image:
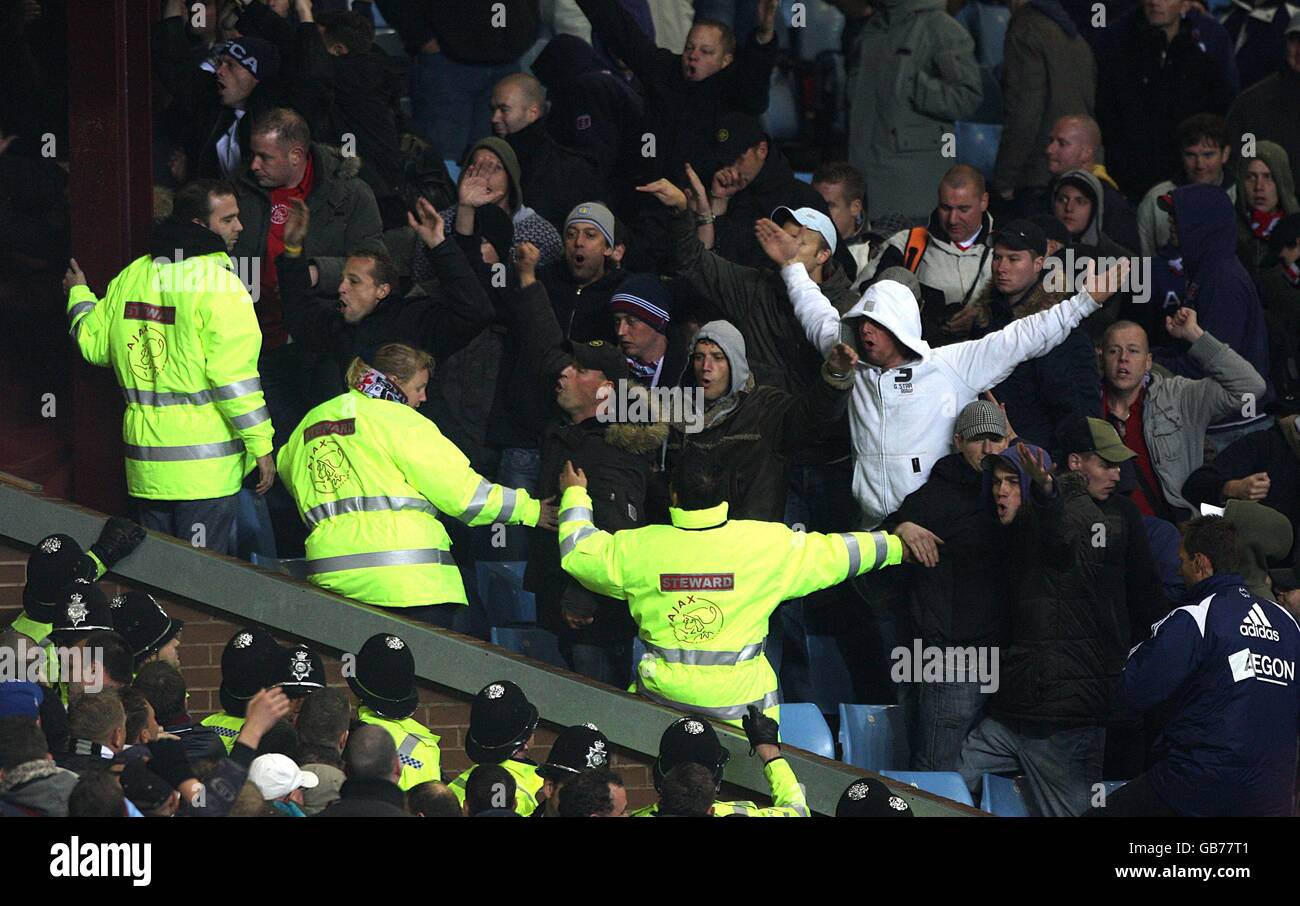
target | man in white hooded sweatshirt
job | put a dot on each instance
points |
(906, 396)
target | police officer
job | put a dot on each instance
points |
(692, 740)
(247, 667)
(299, 672)
(384, 680)
(370, 476)
(179, 331)
(576, 750)
(83, 609)
(501, 725)
(148, 630)
(702, 589)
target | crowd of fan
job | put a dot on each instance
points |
(626, 193)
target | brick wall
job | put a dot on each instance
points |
(207, 630)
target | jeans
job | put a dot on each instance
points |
(449, 101)
(946, 712)
(1217, 441)
(253, 532)
(442, 615)
(211, 521)
(610, 663)
(284, 386)
(1060, 766)
(518, 469)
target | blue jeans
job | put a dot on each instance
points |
(449, 101)
(211, 520)
(1217, 441)
(610, 663)
(518, 469)
(946, 712)
(253, 531)
(1060, 766)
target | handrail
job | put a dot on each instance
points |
(441, 656)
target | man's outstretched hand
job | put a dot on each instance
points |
(667, 194)
(779, 245)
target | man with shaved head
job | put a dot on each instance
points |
(1075, 144)
(951, 256)
(372, 766)
(558, 179)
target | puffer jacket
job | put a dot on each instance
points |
(902, 418)
(1055, 669)
(916, 75)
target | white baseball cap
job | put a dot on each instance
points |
(812, 218)
(278, 776)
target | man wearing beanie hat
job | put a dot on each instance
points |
(692, 740)
(958, 589)
(147, 628)
(501, 725)
(1044, 392)
(384, 680)
(223, 97)
(642, 309)
(575, 751)
(581, 285)
(247, 666)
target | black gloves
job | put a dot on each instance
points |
(169, 761)
(117, 539)
(760, 729)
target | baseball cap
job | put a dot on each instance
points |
(1052, 228)
(1022, 236)
(278, 775)
(1094, 435)
(601, 356)
(734, 134)
(596, 214)
(981, 417)
(809, 217)
(20, 699)
(871, 799)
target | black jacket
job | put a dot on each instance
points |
(616, 459)
(194, 90)
(555, 178)
(441, 323)
(1147, 86)
(200, 742)
(1055, 669)
(466, 30)
(963, 600)
(774, 186)
(582, 311)
(360, 798)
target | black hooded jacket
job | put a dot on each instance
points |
(773, 187)
(557, 179)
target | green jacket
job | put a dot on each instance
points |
(370, 477)
(527, 785)
(227, 727)
(788, 800)
(417, 747)
(183, 342)
(701, 591)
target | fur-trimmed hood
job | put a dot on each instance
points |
(1037, 300)
(39, 785)
(639, 438)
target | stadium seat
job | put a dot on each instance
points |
(802, 725)
(821, 31)
(782, 116)
(537, 644)
(977, 145)
(828, 674)
(872, 737)
(1004, 796)
(947, 784)
(501, 591)
(987, 24)
(453, 170)
(295, 567)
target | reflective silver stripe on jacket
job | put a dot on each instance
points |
(178, 454)
(379, 558)
(477, 502)
(577, 512)
(201, 398)
(321, 512)
(405, 752)
(509, 497)
(80, 308)
(697, 658)
(569, 543)
(249, 419)
(732, 712)
(855, 553)
(882, 548)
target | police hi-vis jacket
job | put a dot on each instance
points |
(902, 418)
(370, 477)
(182, 338)
(701, 590)
(788, 799)
(1226, 667)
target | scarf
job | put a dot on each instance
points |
(1262, 222)
(640, 370)
(378, 387)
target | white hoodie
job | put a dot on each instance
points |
(903, 418)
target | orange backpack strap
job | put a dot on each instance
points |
(917, 240)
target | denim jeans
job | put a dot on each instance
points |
(212, 520)
(610, 663)
(518, 469)
(449, 101)
(1217, 441)
(253, 531)
(1060, 766)
(946, 712)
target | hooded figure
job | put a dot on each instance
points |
(1255, 228)
(1092, 238)
(1218, 286)
(749, 432)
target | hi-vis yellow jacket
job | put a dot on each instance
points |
(701, 591)
(183, 341)
(370, 477)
